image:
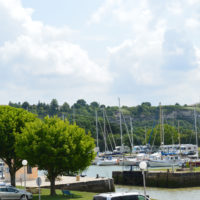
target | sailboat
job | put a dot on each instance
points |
(163, 159)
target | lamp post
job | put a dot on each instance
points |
(143, 166)
(24, 163)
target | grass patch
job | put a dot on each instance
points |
(196, 169)
(45, 195)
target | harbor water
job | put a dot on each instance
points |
(155, 193)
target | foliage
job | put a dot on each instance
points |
(170, 135)
(12, 120)
(55, 146)
(143, 117)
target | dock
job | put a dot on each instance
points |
(158, 178)
(87, 184)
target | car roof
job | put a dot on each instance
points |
(116, 194)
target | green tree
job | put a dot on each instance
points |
(170, 135)
(12, 120)
(25, 105)
(53, 107)
(56, 146)
(65, 107)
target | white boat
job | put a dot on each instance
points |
(106, 161)
(127, 162)
(164, 161)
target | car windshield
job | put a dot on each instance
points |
(99, 198)
(131, 197)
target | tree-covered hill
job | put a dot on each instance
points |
(142, 118)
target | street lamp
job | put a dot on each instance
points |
(24, 163)
(143, 166)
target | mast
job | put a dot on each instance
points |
(161, 139)
(145, 136)
(179, 136)
(97, 134)
(132, 139)
(195, 125)
(163, 131)
(104, 129)
(120, 123)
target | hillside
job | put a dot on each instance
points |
(141, 118)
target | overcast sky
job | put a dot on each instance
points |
(99, 50)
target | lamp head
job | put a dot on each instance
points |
(24, 162)
(143, 165)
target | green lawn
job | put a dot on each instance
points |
(45, 195)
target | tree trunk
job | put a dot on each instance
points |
(12, 176)
(52, 180)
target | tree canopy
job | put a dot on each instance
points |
(56, 146)
(143, 117)
(170, 135)
(12, 120)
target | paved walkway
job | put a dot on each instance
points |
(64, 180)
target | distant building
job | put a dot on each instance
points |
(31, 173)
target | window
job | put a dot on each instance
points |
(3, 189)
(99, 198)
(29, 169)
(141, 197)
(11, 189)
(131, 197)
(7, 169)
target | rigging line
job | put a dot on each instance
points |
(105, 131)
(105, 144)
(172, 132)
(131, 125)
(97, 136)
(163, 128)
(154, 138)
(104, 127)
(113, 118)
(110, 141)
(110, 129)
(127, 129)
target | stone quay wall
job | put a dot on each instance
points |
(97, 186)
(158, 179)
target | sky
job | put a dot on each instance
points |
(100, 50)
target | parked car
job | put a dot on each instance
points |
(10, 192)
(120, 196)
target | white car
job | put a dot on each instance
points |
(120, 196)
(10, 192)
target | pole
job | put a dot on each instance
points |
(120, 124)
(39, 193)
(161, 140)
(132, 139)
(195, 125)
(179, 136)
(25, 177)
(97, 129)
(104, 129)
(144, 183)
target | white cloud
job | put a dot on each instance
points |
(42, 59)
(151, 50)
(192, 23)
(103, 10)
(175, 7)
(158, 55)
